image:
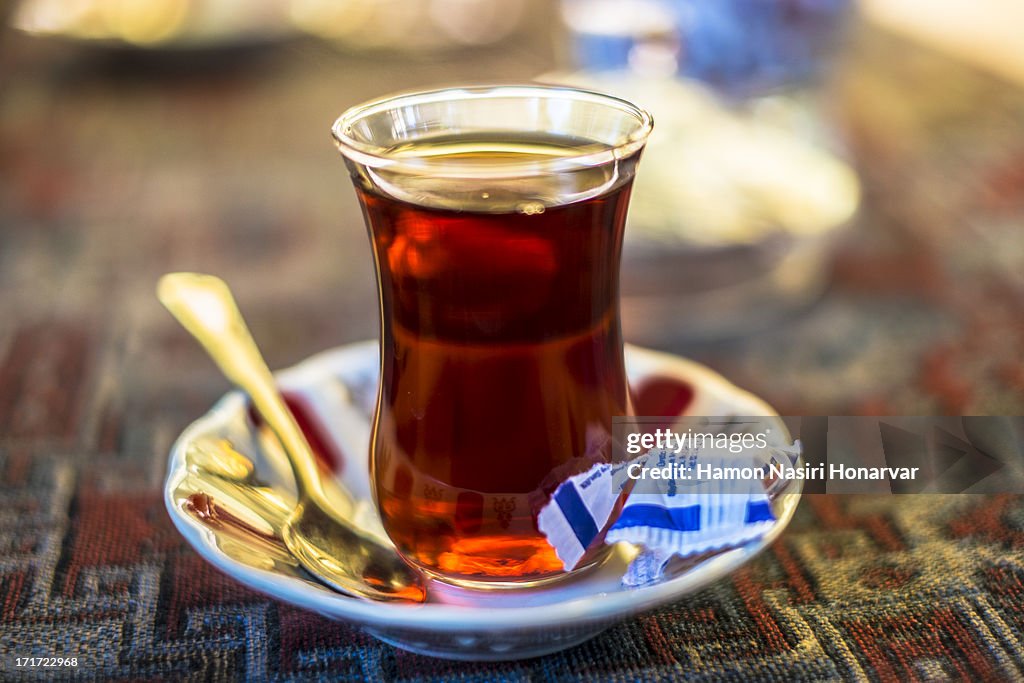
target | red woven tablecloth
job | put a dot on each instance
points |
(113, 174)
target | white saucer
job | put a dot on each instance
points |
(336, 390)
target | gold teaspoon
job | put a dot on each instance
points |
(320, 531)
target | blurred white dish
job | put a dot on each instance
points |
(734, 213)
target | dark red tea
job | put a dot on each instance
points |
(502, 364)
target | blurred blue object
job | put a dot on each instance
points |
(736, 46)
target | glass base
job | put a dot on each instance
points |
(503, 584)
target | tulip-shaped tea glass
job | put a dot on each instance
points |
(496, 218)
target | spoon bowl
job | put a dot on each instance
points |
(321, 531)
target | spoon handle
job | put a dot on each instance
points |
(203, 304)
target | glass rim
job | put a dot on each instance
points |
(376, 156)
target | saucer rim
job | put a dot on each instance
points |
(577, 612)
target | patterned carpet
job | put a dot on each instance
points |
(112, 176)
(898, 588)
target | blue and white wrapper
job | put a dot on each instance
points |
(683, 516)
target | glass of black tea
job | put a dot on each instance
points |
(496, 217)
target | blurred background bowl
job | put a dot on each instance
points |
(743, 193)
